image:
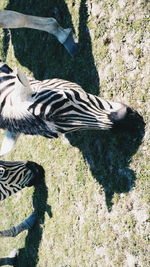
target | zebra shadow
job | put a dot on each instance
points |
(108, 155)
(28, 256)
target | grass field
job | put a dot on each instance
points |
(93, 205)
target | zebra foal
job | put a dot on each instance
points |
(12, 19)
(14, 176)
(52, 107)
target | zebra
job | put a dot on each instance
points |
(52, 107)
(12, 19)
(14, 176)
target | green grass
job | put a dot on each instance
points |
(92, 207)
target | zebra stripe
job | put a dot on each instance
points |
(56, 106)
(14, 176)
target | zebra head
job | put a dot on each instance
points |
(16, 175)
(54, 106)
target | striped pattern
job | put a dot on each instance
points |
(68, 108)
(55, 106)
(14, 176)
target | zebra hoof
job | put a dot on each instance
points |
(13, 253)
(70, 45)
(13, 257)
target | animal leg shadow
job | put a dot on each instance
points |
(108, 157)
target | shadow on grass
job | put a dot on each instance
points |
(28, 256)
(108, 155)
(43, 55)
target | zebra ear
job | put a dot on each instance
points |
(22, 86)
(22, 78)
(8, 143)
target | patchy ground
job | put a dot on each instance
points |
(93, 205)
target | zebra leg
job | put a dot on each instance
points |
(8, 143)
(11, 260)
(50, 25)
(27, 224)
(12, 19)
(70, 44)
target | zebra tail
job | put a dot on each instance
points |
(27, 224)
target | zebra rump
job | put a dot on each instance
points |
(54, 106)
(16, 175)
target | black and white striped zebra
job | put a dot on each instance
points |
(52, 107)
(14, 176)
